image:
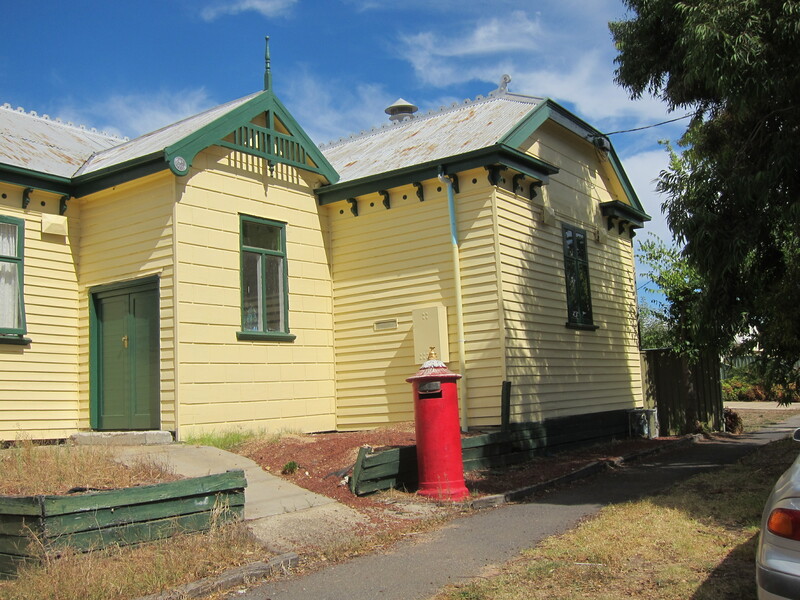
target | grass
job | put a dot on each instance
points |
(695, 541)
(131, 572)
(756, 418)
(29, 469)
(233, 439)
(117, 572)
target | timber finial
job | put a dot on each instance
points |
(267, 67)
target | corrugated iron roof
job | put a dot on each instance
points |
(450, 131)
(38, 143)
(50, 146)
(158, 140)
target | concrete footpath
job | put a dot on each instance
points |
(474, 545)
(281, 515)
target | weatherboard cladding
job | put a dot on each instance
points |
(37, 143)
(461, 128)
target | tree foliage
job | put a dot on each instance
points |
(733, 192)
(673, 322)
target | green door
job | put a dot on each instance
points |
(125, 356)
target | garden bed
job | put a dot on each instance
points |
(32, 527)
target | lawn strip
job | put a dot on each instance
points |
(696, 540)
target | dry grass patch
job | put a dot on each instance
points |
(131, 572)
(695, 541)
(757, 418)
(29, 470)
(116, 572)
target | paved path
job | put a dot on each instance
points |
(472, 545)
(282, 515)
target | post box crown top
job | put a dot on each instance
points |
(433, 369)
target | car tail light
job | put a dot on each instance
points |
(785, 523)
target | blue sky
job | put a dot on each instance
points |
(131, 67)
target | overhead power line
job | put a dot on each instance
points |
(650, 126)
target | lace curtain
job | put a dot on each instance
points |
(9, 278)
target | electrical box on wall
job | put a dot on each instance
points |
(430, 329)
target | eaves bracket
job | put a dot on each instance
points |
(386, 201)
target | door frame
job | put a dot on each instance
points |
(150, 282)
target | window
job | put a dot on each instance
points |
(264, 280)
(576, 274)
(12, 308)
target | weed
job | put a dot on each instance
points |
(224, 440)
(290, 468)
(30, 469)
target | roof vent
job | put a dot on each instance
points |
(401, 109)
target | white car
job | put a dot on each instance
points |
(778, 554)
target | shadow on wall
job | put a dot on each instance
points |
(556, 370)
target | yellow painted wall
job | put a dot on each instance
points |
(127, 234)
(558, 371)
(386, 263)
(39, 383)
(224, 383)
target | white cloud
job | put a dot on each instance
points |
(643, 169)
(513, 34)
(573, 63)
(134, 114)
(267, 8)
(328, 111)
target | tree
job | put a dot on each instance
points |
(733, 192)
(673, 322)
(653, 330)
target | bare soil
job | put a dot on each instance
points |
(324, 459)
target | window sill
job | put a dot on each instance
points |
(14, 340)
(582, 326)
(265, 336)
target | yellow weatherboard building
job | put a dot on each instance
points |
(225, 272)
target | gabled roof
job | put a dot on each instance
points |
(458, 129)
(50, 155)
(32, 144)
(482, 132)
(155, 142)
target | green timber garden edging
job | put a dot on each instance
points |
(30, 525)
(397, 467)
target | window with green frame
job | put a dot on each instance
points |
(265, 311)
(576, 274)
(12, 306)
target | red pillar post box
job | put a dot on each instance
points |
(440, 465)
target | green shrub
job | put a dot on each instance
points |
(746, 388)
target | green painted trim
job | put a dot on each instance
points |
(620, 210)
(493, 155)
(549, 109)
(581, 326)
(83, 185)
(144, 284)
(616, 165)
(271, 336)
(39, 181)
(94, 362)
(517, 135)
(18, 259)
(246, 334)
(16, 340)
(179, 156)
(578, 262)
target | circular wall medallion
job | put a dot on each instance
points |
(179, 163)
